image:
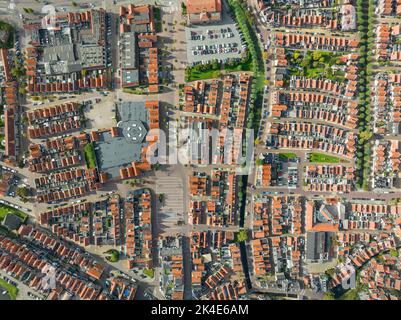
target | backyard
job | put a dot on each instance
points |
(12, 291)
(90, 157)
(201, 72)
(287, 155)
(4, 210)
(316, 64)
(149, 272)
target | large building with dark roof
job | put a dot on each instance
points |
(318, 246)
(67, 53)
(120, 152)
(137, 47)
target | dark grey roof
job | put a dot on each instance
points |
(114, 153)
(140, 28)
(315, 245)
(128, 51)
(59, 53)
(130, 76)
(12, 222)
(61, 59)
(282, 71)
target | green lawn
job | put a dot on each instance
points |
(193, 75)
(149, 272)
(287, 155)
(315, 64)
(90, 157)
(244, 65)
(323, 158)
(2, 128)
(12, 291)
(4, 210)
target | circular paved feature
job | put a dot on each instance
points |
(133, 131)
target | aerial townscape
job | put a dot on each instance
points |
(200, 150)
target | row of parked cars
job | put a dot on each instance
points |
(215, 49)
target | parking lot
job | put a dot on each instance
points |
(219, 41)
(24, 292)
(100, 113)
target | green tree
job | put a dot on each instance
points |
(241, 236)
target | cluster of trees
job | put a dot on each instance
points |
(161, 197)
(113, 255)
(8, 43)
(316, 64)
(365, 19)
(18, 71)
(240, 194)
(314, 59)
(157, 16)
(191, 72)
(245, 22)
(214, 65)
(135, 182)
(241, 236)
(253, 61)
(90, 157)
(239, 65)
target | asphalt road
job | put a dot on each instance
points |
(4, 296)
